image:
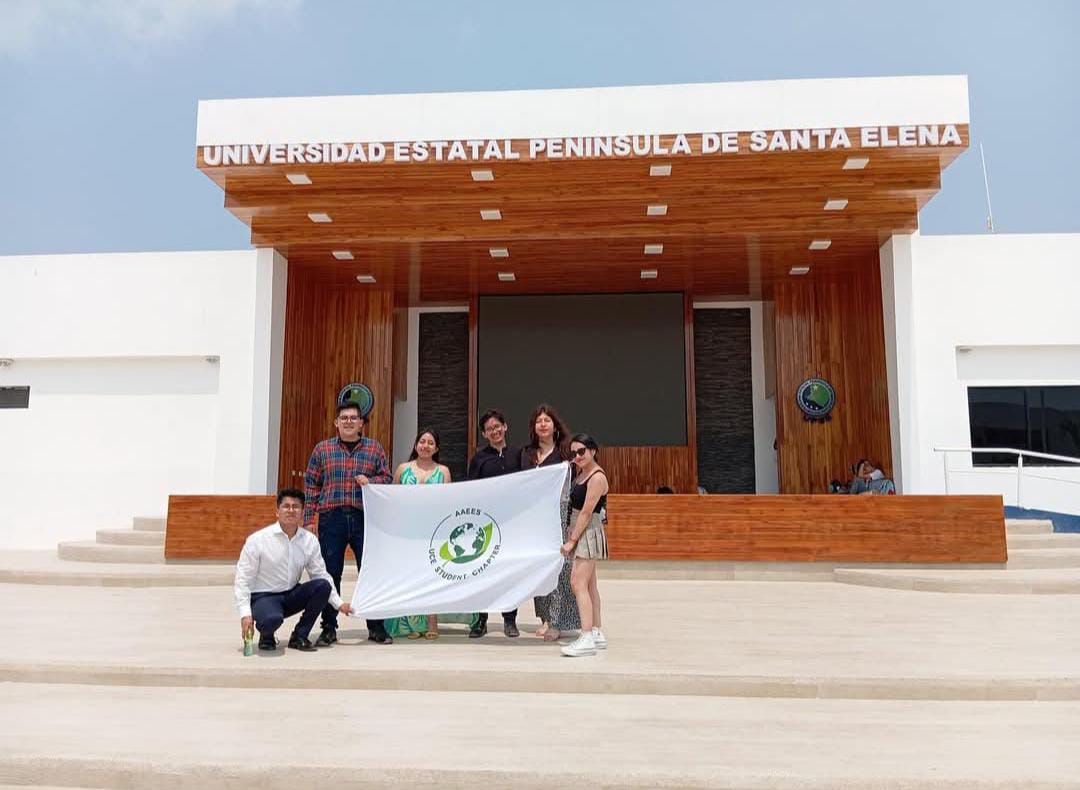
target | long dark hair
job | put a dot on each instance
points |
(562, 434)
(434, 435)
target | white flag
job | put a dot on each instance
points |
(477, 546)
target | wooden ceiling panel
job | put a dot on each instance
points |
(735, 223)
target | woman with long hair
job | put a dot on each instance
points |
(548, 435)
(422, 468)
(586, 542)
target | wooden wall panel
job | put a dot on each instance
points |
(821, 528)
(733, 527)
(833, 330)
(640, 470)
(333, 336)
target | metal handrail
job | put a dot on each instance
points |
(1019, 463)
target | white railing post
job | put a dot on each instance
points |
(1019, 477)
(945, 467)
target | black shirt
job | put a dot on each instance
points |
(525, 458)
(489, 462)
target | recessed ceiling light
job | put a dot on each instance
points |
(799, 270)
(298, 178)
(654, 249)
(483, 175)
(365, 278)
(856, 162)
(659, 170)
(656, 209)
(836, 204)
(490, 213)
(499, 252)
(820, 244)
(342, 255)
(648, 274)
(319, 216)
(507, 277)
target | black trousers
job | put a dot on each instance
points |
(270, 609)
(338, 528)
(508, 617)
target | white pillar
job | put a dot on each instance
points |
(271, 280)
(898, 307)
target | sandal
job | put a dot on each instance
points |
(541, 632)
(552, 635)
(431, 636)
(414, 635)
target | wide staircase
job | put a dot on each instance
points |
(122, 670)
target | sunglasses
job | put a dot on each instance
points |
(579, 452)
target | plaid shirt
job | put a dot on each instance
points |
(329, 481)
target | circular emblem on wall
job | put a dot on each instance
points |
(358, 394)
(464, 544)
(816, 398)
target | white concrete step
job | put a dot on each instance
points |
(91, 551)
(130, 537)
(1056, 540)
(1044, 558)
(1015, 581)
(666, 742)
(150, 524)
(1028, 526)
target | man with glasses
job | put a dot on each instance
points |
(334, 482)
(268, 587)
(492, 461)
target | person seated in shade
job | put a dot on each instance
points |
(268, 587)
(869, 479)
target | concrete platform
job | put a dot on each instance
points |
(92, 551)
(749, 639)
(1014, 581)
(285, 738)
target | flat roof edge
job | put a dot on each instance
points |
(584, 112)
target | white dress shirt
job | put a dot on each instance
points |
(271, 561)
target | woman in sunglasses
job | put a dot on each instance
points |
(587, 542)
(558, 609)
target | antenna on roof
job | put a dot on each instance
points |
(986, 183)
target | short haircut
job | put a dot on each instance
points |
(498, 415)
(343, 406)
(289, 493)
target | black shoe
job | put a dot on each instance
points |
(380, 637)
(326, 638)
(510, 629)
(267, 643)
(478, 630)
(303, 644)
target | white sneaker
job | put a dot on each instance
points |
(599, 639)
(582, 646)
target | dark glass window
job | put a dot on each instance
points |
(1040, 419)
(14, 397)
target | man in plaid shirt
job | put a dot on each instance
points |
(333, 487)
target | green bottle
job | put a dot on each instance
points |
(249, 642)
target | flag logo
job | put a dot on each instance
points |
(464, 544)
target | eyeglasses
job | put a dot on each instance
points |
(579, 452)
(348, 419)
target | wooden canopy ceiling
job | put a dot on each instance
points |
(734, 223)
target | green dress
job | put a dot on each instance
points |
(417, 623)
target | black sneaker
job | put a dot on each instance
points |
(303, 644)
(510, 629)
(478, 630)
(267, 643)
(326, 638)
(380, 637)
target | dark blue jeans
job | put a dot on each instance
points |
(338, 528)
(270, 609)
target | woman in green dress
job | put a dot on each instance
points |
(422, 468)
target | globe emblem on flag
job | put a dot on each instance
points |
(464, 543)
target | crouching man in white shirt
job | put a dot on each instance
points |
(268, 587)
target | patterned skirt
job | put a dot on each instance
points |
(559, 607)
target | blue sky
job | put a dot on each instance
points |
(81, 82)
